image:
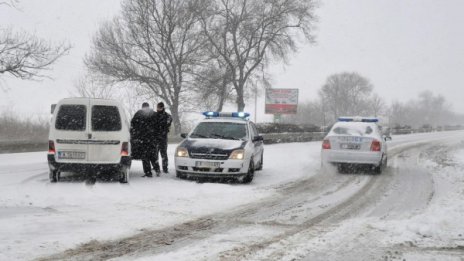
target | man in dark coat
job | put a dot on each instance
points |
(163, 123)
(143, 137)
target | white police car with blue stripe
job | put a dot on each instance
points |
(355, 141)
(223, 145)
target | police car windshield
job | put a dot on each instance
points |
(220, 130)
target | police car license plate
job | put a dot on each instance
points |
(350, 146)
(71, 155)
(207, 164)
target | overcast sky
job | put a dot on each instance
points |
(403, 47)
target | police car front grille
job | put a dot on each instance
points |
(207, 169)
(209, 156)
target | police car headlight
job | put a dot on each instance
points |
(182, 152)
(237, 155)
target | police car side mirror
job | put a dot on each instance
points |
(52, 108)
(387, 137)
(258, 138)
(183, 135)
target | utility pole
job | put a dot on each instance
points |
(256, 105)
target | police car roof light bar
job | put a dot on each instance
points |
(358, 119)
(211, 114)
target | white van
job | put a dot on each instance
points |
(89, 135)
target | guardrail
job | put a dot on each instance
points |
(22, 146)
(269, 138)
(272, 138)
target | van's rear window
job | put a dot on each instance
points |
(71, 117)
(105, 118)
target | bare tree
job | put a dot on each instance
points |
(214, 86)
(89, 86)
(10, 3)
(246, 34)
(27, 57)
(346, 94)
(377, 105)
(155, 44)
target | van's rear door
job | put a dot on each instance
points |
(71, 131)
(106, 129)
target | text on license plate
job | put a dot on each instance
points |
(71, 155)
(207, 164)
(350, 146)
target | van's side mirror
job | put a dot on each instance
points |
(258, 138)
(387, 137)
(183, 135)
(52, 108)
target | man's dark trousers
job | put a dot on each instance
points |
(161, 148)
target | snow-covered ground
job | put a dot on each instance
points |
(38, 218)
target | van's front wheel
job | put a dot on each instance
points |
(54, 176)
(124, 175)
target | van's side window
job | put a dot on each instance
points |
(71, 117)
(106, 118)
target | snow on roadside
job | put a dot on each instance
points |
(440, 225)
(38, 218)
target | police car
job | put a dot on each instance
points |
(355, 140)
(223, 145)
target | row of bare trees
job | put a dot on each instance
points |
(349, 94)
(16, 128)
(189, 53)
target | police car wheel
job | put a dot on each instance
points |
(251, 171)
(124, 175)
(261, 163)
(378, 169)
(54, 176)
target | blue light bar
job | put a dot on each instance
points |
(358, 119)
(345, 119)
(240, 114)
(211, 114)
(370, 120)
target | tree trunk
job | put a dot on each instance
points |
(222, 94)
(240, 97)
(176, 119)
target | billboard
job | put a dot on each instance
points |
(281, 101)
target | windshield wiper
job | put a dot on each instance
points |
(198, 136)
(224, 137)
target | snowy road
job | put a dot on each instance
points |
(292, 210)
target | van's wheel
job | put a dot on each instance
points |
(54, 176)
(341, 168)
(124, 175)
(250, 174)
(179, 175)
(261, 163)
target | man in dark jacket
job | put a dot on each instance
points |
(143, 137)
(163, 122)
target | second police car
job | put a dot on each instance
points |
(355, 141)
(223, 145)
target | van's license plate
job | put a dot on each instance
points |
(71, 155)
(207, 164)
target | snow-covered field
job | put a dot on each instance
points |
(38, 218)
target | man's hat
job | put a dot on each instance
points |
(145, 104)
